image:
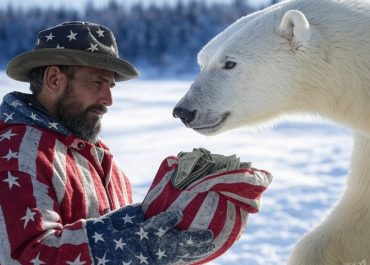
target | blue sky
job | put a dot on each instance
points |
(80, 3)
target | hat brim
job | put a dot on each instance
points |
(20, 66)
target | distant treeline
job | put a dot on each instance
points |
(166, 38)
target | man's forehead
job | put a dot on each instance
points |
(96, 71)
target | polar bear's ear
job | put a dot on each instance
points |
(295, 27)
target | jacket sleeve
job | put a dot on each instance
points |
(31, 227)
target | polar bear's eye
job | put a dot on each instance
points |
(229, 64)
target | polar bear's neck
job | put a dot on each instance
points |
(358, 182)
(343, 99)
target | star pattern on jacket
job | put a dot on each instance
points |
(18, 108)
(12, 181)
(142, 234)
(37, 261)
(7, 135)
(53, 125)
(119, 244)
(98, 237)
(29, 216)
(128, 219)
(10, 155)
(142, 258)
(16, 103)
(161, 232)
(33, 116)
(9, 116)
(103, 260)
(77, 261)
(161, 254)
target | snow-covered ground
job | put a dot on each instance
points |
(308, 158)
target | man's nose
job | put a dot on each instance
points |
(106, 97)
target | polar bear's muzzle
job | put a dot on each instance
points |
(205, 123)
(211, 125)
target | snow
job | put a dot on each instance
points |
(308, 158)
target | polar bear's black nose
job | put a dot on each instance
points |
(185, 115)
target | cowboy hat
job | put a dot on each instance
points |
(73, 43)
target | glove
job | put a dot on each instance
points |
(122, 238)
(213, 192)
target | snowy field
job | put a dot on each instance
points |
(308, 158)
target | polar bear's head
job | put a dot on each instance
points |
(250, 73)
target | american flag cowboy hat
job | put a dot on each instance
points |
(73, 43)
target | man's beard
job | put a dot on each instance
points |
(77, 120)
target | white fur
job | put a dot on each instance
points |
(298, 56)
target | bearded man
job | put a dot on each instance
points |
(63, 199)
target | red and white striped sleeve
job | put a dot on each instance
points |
(48, 191)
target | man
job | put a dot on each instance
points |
(63, 200)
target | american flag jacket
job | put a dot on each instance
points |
(54, 187)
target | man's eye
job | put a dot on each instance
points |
(229, 65)
(99, 83)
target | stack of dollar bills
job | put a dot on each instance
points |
(200, 163)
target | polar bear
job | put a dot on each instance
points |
(297, 56)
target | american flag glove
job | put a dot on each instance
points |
(122, 237)
(220, 201)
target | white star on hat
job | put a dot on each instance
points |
(93, 47)
(49, 37)
(72, 35)
(100, 33)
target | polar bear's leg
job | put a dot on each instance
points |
(315, 248)
(342, 239)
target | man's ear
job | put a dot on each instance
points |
(295, 28)
(54, 80)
